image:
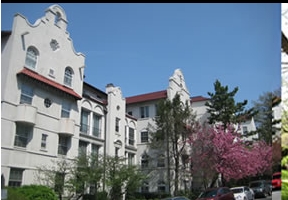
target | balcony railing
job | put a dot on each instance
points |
(96, 132)
(84, 128)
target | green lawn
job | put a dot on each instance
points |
(284, 189)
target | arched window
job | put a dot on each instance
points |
(31, 58)
(68, 76)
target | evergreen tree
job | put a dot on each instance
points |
(264, 118)
(174, 122)
(223, 108)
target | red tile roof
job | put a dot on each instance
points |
(147, 97)
(198, 98)
(49, 82)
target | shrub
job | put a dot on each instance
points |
(14, 194)
(31, 192)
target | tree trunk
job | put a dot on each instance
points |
(176, 180)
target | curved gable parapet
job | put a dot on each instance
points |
(178, 79)
(72, 47)
(36, 23)
(58, 9)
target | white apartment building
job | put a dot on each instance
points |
(49, 112)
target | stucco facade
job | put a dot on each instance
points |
(49, 112)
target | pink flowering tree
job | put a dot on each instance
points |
(218, 151)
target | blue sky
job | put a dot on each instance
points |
(137, 46)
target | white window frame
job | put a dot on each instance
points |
(65, 110)
(31, 58)
(15, 177)
(63, 145)
(84, 127)
(44, 141)
(22, 134)
(144, 135)
(68, 76)
(144, 111)
(26, 94)
(96, 129)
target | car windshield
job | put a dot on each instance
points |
(255, 184)
(209, 193)
(237, 190)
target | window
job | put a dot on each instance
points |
(94, 155)
(144, 111)
(63, 145)
(22, 134)
(84, 128)
(116, 151)
(95, 149)
(130, 113)
(65, 112)
(161, 161)
(145, 187)
(130, 159)
(44, 141)
(245, 130)
(82, 150)
(47, 102)
(68, 76)
(15, 177)
(156, 110)
(161, 187)
(144, 161)
(144, 136)
(117, 122)
(31, 58)
(26, 94)
(96, 125)
(131, 136)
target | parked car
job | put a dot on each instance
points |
(260, 188)
(176, 198)
(219, 193)
(270, 186)
(276, 181)
(242, 193)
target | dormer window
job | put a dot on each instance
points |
(68, 76)
(31, 58)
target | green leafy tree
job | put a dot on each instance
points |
(264, 118)
(121, 178)
(174, 122)
(223, 108)
(72, 176)
(87, 172)
(54, 175)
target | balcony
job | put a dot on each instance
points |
(26, 113)
(66, 126)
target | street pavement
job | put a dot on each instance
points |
(276, 195)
